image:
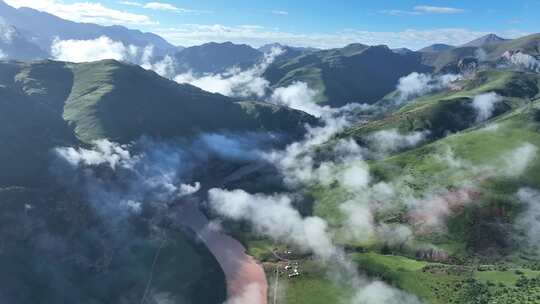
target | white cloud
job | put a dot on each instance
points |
(152, 174)
(300, 97)
(274, 216)
(187, 189)
(391, 140)
(104, 152)
(278, 12)
(418, 84)
(355, 176)
(160, 6)
(131, 3)
(7, 33)
(105, 48)
(484, 105)
(529, 219)
(92, 50)
(414, 84)
(235, 82)
(396, 12)
(84, 12)
(166, 67)
(438, 9)
(517, 161)
(423, 9)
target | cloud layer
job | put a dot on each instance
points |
(93, 50)
(235, 82)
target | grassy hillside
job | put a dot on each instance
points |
(48, 104)
(355, 73)
(451, 110)
(488, 258)
(122, 102)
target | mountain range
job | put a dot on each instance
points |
(421, 171)
(41, 29)
(54, 103)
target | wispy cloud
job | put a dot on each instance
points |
(395, 12)
(422, 10)
(438, 9)
(193, 34)
(130, 3)
(160, 6)
(163, 6)
(278, 12)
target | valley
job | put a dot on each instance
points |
(282, 169)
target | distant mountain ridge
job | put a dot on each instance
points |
(438, 47)
(42, 28)
(355, 73)
(486, 50)
(14, 45)
(485, 41)
(216, 57)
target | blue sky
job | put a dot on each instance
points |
(318, 23)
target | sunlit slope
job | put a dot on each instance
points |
(457, 134)
(451, 110)
(122, 102)
(488, 259)
(48, 104)
(481, 236)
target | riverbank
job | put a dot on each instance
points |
(245, 277)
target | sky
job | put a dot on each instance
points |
(314, 23)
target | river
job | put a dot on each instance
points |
(245, 277)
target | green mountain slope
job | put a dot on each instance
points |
(451, 110)
(48, 104)
(355, 73)
(121, 102)
(480, 256)
(56, 246)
